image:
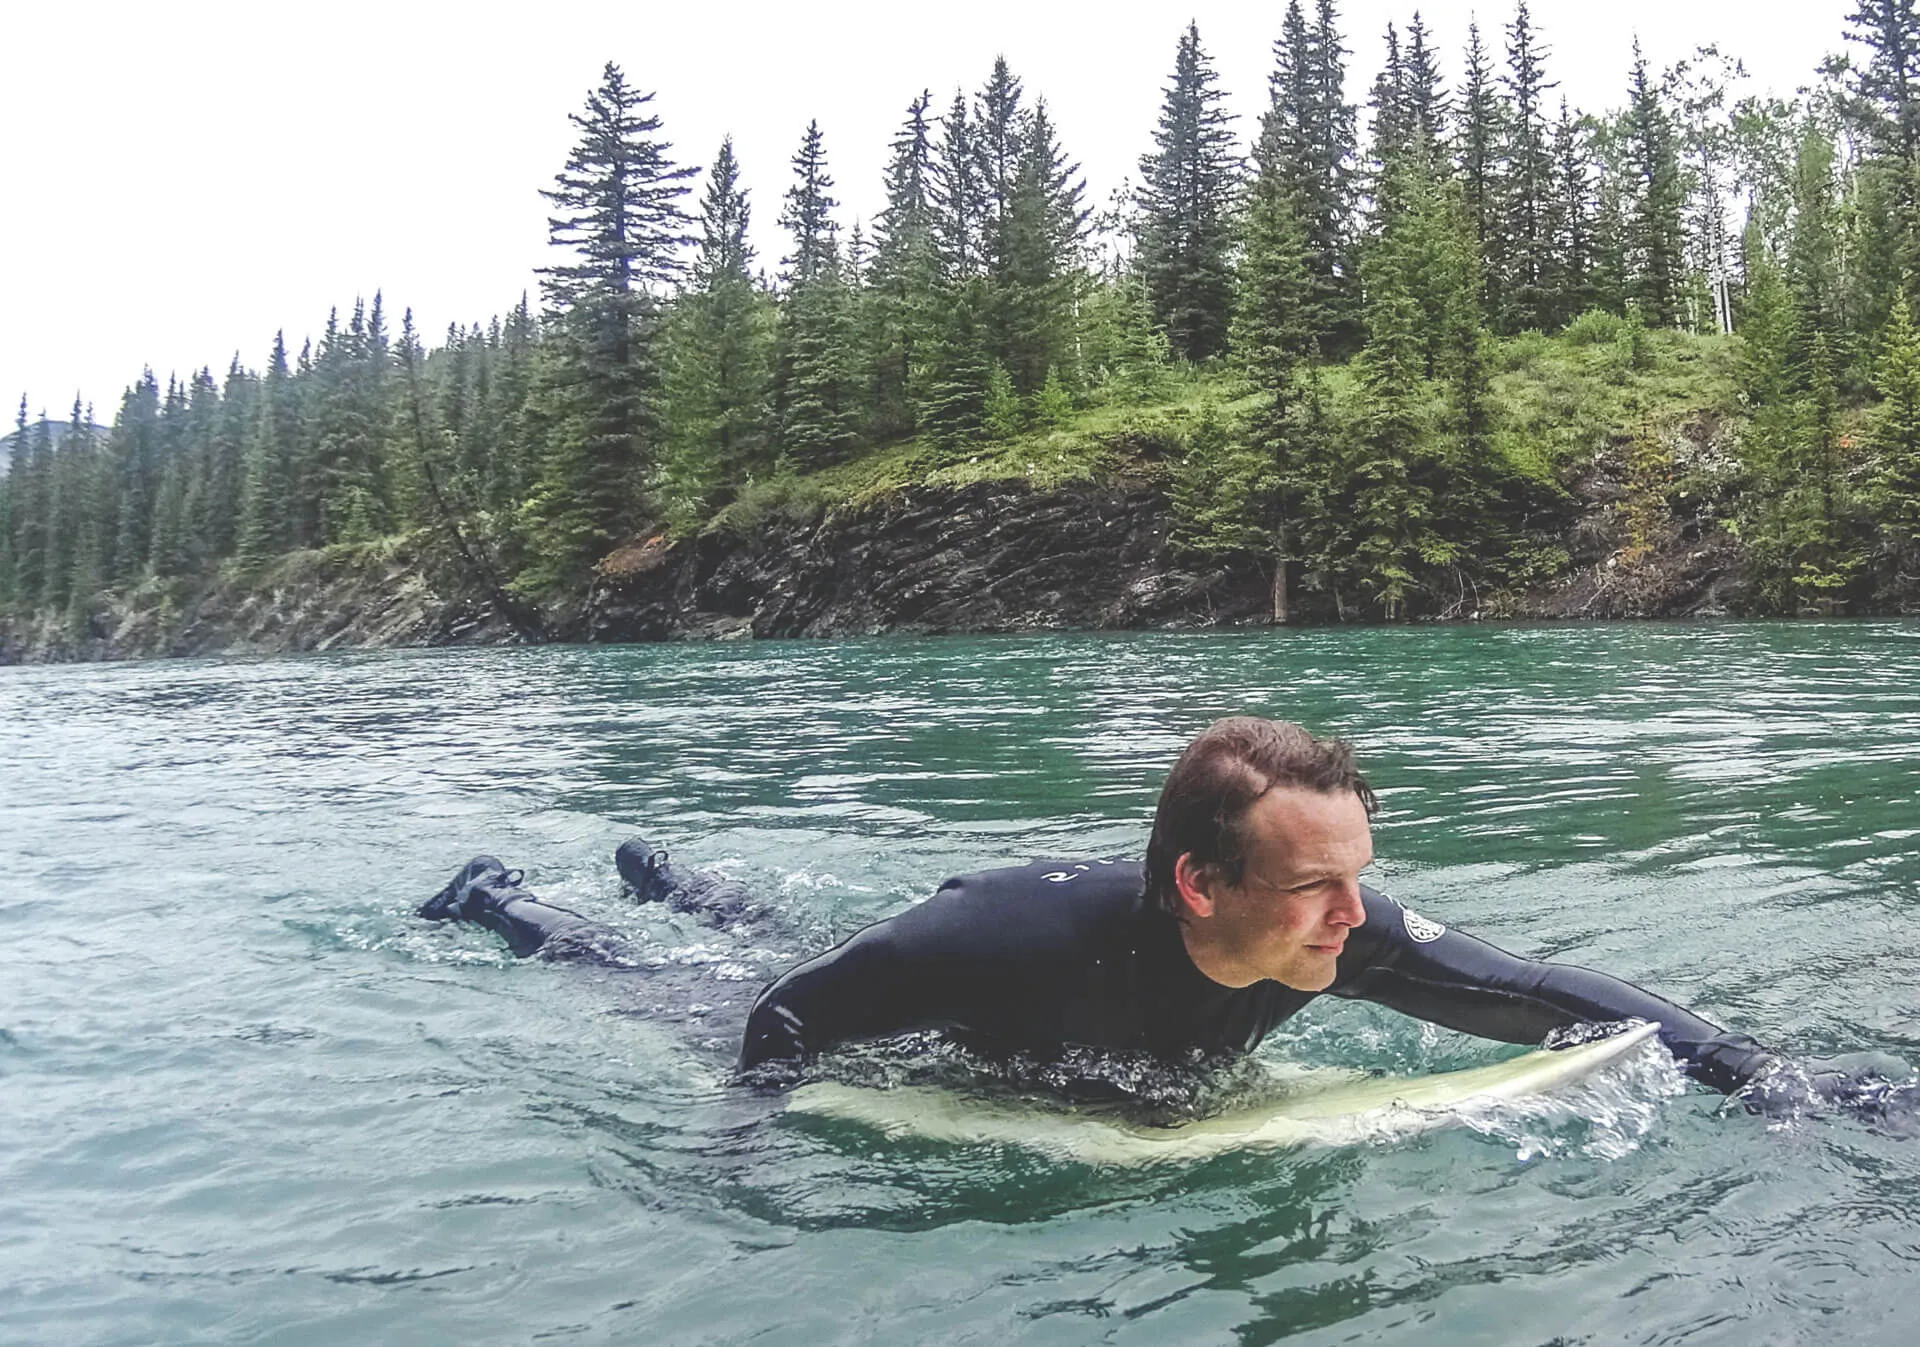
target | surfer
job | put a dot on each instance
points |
(1248, 906)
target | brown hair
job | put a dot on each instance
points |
(1233, 762)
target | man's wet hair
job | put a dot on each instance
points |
(1203, 807)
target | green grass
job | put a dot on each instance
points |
(1562, 400)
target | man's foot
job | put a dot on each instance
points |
(450, 904)
(643, 868)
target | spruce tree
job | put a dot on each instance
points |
(1658, 240)
(818, 389)
(226, 461)
(69, 495)
(510, 411)
(31, 479)
(954, 402)
(1887, 116)
(1039, 274)
(134, 459)
(1426, 100)
(1889, 79)
(618, 212)
(722, 353)
(905, 272)
(266, 515)
(1813, 261)
(1391, 506)
(999, 144)
(1479, 134)
(1573, 212)
(1308, 133)
(1896, 429)
(958, 199)
(1392, 117)
(80, 464)
(1528, 191)
(1272, 338)
(1186, 183)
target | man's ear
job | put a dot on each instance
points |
(1194, 884)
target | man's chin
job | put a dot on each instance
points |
(1312, 974)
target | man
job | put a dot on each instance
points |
(1251, 906)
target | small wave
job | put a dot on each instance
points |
(1605, 1116)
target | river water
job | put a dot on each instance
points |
(246, 1097)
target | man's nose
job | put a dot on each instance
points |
(1348, 910)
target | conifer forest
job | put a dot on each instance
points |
(1365, 345)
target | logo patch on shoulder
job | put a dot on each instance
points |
(1422, 929)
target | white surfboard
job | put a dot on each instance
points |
(1329, 1107)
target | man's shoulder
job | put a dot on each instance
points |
(1081, 882)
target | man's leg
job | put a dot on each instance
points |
(488, 894)
(651, 878)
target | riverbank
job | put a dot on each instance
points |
(991, 556)
(1621, 480)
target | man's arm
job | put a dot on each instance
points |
(862, 988)
(1420, 968)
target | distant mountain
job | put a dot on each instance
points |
(61, 429)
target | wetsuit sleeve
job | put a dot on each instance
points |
(976, 955)
(1420, 968)
(862, 988)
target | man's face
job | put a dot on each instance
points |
(1288, 917)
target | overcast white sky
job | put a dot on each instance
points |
(179, 180)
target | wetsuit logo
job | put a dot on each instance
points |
(1421, 928)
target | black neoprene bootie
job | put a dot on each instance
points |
(643, 868)
(453, 902)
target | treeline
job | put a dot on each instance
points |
(1349, 296)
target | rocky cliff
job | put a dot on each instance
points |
(996, 556)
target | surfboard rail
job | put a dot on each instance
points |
(1342, 1113)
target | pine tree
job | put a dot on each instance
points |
(510, 411)
(722, 353)
(218, 520)
(618, 208)
(133, 452)
(1392, 119)
(1658, 241)
(31, 483)
(905, 272)
(350, 416)
(1390, 506)
(1185, 185)
(1037, 278)
(1272, 339)
(1572, 286)
(1308, 134)
(999, 144)
(958, 199)
(954, 404)
(1896, 428)
(80, 462)
(1426, 100)
(817, 387)
(69, 490)
(1528, 192)
(1887, 109)
(1889, 80)
(1418, 498)
(266, 524)
(1479, 135)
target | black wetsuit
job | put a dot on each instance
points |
(1061, 952)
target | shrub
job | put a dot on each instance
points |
(1595, 327)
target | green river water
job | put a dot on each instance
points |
(246, 1097)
